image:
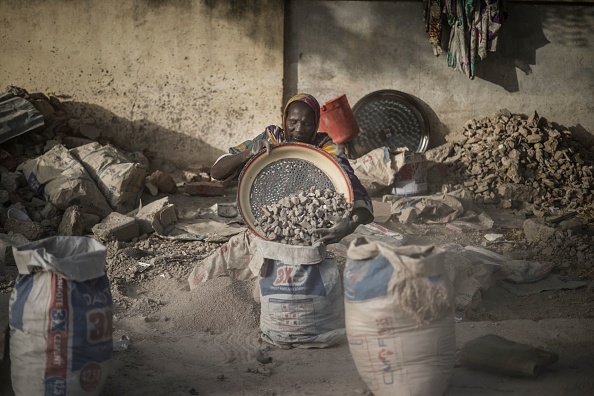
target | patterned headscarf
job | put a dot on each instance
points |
(308, 100)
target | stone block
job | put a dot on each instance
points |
(146, 215)
(72, 223)
(90, 131)
(118, 227)
(205, 189)
(574, 225)
(162, 181)
(30, 229)
(440, 153)
(44, 108)
(7, 241)
(49, 211)
(536, 230)
(164, 219)
(515, 192)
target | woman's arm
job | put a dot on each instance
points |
(345, 226)
(228, 165)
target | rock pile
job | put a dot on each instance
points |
(43, 218)
(511, 158)
(294, 218)
(26, 217)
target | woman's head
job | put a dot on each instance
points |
(301, 118)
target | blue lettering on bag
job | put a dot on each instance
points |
(35, 185)
(22, 290)
(367, 279)
(292, 279)
(55, 386)
(92, 308)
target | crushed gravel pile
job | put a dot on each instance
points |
(511, 158)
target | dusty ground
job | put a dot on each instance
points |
(175, 341)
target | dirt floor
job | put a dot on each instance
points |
(173, 341)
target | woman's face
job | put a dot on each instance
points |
(300, 123)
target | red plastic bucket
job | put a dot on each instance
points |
(338, 120)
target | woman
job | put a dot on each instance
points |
(301, 118)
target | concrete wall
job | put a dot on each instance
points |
(544, 61)
(185, 79)
(181, 78)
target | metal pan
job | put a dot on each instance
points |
(290, 168)
(389, 118)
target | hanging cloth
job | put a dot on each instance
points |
(458, 46)
(493, 14)
(432, 17)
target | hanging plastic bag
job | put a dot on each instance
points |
(61, 315)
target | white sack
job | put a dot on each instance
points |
(119, 179)
(60, 325)
(399, 318)
(59, 178)
(301, 304)
(374, 170)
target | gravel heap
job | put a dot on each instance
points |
(294, 219)
(511, 157)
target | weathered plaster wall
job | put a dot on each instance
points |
(181, 78)
(187, 78)
(544, 61)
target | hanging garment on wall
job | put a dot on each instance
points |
(432, 16)
(458, 46)
(494, 14)
(475, 26)
(473, 15)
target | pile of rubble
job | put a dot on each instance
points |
(27, 215)
(511, 159)
(539, 168)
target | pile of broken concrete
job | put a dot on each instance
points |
(539, 168)
(63, 178)
(512, 159)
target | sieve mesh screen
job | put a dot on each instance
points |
(283, 178)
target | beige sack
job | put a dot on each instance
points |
(399, 318)
(119, 179)
(62, 180)
(374, 170)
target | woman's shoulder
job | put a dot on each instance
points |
(275, 134)
(321, 139)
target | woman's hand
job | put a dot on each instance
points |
(260, 145)
(334, 234)
(344, 226)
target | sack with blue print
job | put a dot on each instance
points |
(300, 295)
(399, 318)
(61, 315)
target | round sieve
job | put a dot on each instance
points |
(288, 169)
(389, 118)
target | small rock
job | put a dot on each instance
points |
(494, 237)
(73, 223)
(31, 230)
(163, 181)
(536, 230)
